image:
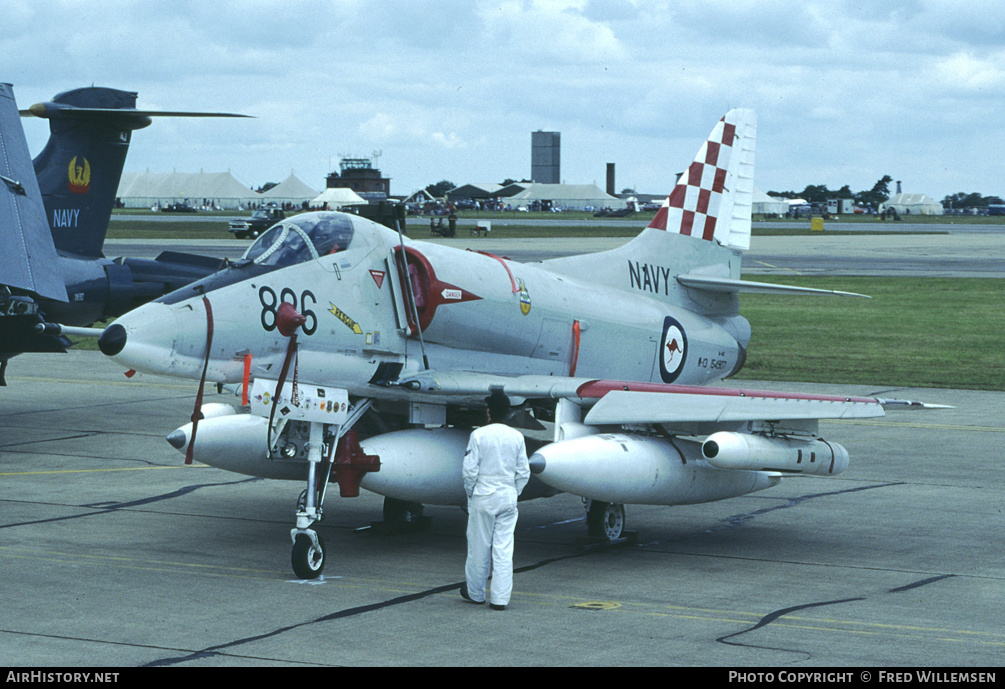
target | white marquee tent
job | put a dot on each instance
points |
(336, 197)
(917, 204)
(768, 205)
(146, 189)
(291, 190)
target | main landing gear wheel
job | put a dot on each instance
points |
(308, 558)
(605, 520)
(402, 513)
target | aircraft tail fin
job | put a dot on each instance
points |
(80, 167)
(712, 199)
(699, 233)
(28, 259)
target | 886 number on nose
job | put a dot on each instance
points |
(270, 303)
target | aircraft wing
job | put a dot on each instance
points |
(639, 404)
(625, 402)
(29, 255)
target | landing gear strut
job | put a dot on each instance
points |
(348, 468)
(308, 557)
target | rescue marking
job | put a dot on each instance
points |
(378, 277)
(341, 315)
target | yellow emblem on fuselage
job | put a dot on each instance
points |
(80, 176)
(524, 297)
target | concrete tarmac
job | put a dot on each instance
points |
(113, 553)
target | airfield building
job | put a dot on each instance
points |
(545, 157)
(359, 175)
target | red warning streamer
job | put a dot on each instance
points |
(197, 412)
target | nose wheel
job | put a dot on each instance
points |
(308, 557)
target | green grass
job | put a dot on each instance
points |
(418, 228)
(181, 229)
(915, 332)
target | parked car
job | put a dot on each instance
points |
(260, 220)
(178, 208)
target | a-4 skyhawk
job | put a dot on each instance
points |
(365, 358)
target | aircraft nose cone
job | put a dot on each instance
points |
(537, 463)
(113, 340)
(177, 439)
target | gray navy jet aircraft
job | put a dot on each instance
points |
(364, 358)
(54, 215)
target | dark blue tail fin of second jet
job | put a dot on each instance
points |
(78, 171)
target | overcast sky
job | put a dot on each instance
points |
(846, 91)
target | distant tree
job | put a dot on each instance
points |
(971, 200)
(879, 193)
(627, 190)
(816, 193)
(268, 185)
(441, 188)
(883, 186)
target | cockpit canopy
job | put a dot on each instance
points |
(301, 238)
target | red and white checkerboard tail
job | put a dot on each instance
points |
(712, 199)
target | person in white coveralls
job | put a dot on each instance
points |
(495, 473)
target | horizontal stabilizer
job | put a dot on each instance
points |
(52, 110)
(716, 284)
(26, 247)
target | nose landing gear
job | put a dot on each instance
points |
(347, 469)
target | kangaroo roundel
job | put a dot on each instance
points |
(673, 350)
